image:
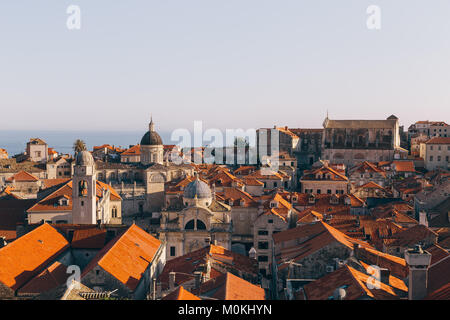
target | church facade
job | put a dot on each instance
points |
(202, 221)
(141, 184)
(354, 141)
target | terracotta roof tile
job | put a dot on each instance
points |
(352, 281)
(230, 287)
(439, 140)
(25, 257)
(52, 277)
(23, 176)
(181, 294)
(92, 238)
(127, 257)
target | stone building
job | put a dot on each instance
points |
(37, 150)
(126, 264)
(429, 129)
(436, 153)
(353, 141)
(82, 200)
(366, 172)
(309, 252)
(201, 221)
(309, 147)
(141, 184)
(324, 180)
(60, 167)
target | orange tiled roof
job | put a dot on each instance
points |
(369, 167)
(396, 265)
(354, 282)
(90, 238)
(127, 257)
(316, 236)
(50, 203)
(410, 236)
(230, 287)
(439, 140)
(371, 185)
(181, 294)
(133, 151)
(25, 257)
(23, 176)
(187, 264)
(334, 174)
(404, 166)
(50, 278)
(237, 195)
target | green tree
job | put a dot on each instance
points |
(79, 145)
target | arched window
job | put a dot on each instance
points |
(191, 224)
(82, 188)
(114, 212)
(200, 225)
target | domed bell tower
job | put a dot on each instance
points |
(152, 149)
(84, 207)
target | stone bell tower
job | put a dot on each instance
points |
(84, 207)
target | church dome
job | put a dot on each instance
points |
(151, 138)
(84, 158)
(197, 188)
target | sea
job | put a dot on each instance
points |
(15, 141)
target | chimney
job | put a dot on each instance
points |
(423, 218)
(384, 275)
(252, 253)
(197, 279)
(172, 280)
(418, 262)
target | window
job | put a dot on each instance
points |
(329, 269)
(263, 258)
(270, 221)
(431, 147)
(329, 191)
(114, 212)
(275, 184)
(172, 251)
(263, 245)
(318, 191)
(263, 232)
(438, 158)
(431, 158)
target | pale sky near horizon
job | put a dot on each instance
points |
(231, 63)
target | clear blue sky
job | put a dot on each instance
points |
(231, 63)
